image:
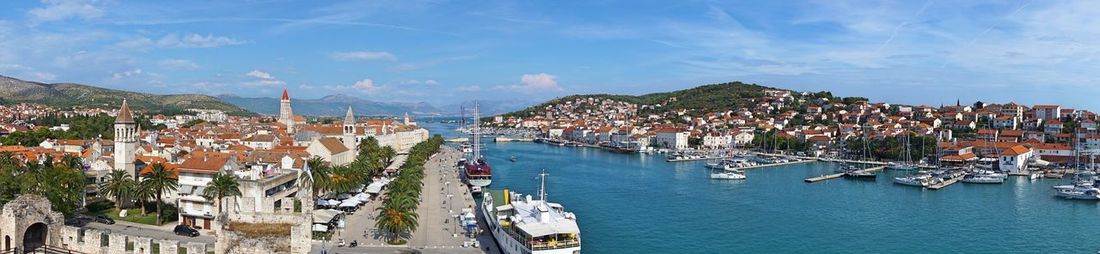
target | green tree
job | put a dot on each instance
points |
(223, 185)
(119, 185)
(160, 180)
(319, 176)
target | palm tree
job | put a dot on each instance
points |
(160, 180)
(118, 184)
(387, 155)
(141, 193)
(319, 176)
(223, 185)
(397, 219)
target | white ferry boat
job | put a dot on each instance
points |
(522, 225)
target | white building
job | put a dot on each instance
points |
(672, 139)
(1014, 159)
(194, 175)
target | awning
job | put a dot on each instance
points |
(375, 187)
(325, 215)
(349, 203)
(362, 197)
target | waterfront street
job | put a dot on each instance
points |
(443, 195)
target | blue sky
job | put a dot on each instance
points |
(921, 52)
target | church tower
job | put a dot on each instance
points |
(408, 120)
(286, 116)
(126, 138)
(349, 131)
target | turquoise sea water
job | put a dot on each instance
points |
(642, 204)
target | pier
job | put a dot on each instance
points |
(838, 175)
(507, 139)
(698, 159)
(775, 164)
(458, 140)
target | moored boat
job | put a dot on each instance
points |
(523, 225)
(727, 176)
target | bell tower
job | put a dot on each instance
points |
(125, 140)
(349, 131)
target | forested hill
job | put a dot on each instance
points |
(706, 98)
(67, 95)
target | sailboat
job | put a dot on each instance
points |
(908, 163)
(858, 171)
(1084, 185)
(477, 171)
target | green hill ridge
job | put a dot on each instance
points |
(67, 95)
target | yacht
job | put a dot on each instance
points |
(914, 180)
(523, 225)
(727, 176)
(983, 178)
(1078, 192)
(477, 172)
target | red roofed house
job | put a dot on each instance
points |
(194, 174)
(1014, 159)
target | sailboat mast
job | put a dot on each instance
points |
(542, 185)
(477, 133)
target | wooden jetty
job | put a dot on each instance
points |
(507, 139)
(838, 175)
(824, 177)
(776, 164)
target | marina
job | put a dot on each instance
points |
(601, 187)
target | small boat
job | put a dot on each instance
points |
(727, 176)
(1079, 192)
(1034, 176)
(859, 174)
(475, 189)
(513, 158)
(914, 180)
(983, 179)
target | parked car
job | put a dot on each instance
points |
(104, 219)
(186, 230)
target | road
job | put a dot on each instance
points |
(154, 232)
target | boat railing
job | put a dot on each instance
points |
(551, 245)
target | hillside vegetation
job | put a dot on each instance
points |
(67, 95)
(706, 98)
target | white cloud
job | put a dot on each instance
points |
(126, 74)
(259, 74)
(541, 81)
(431, 82)
(263, 79)
(363, 55)
(469, 88)
(178, 64)
(365, 86)
(55, 10)
(191, 40)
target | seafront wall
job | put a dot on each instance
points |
(86, 240)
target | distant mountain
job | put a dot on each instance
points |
(706, 98)
(332, 105)
(65, 95)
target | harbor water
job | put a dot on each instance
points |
(642, 204)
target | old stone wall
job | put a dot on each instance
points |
(93, 241)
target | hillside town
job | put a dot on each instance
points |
(265, 159)
(816, 124)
